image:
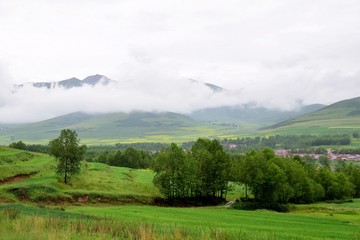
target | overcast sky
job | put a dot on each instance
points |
(278, 53)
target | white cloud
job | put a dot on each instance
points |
(35, 104)
(277, 53)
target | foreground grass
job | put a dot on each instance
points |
(257, 223)
(149, 222)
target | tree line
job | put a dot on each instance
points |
(274, 181)
(270, 181)
(286, 142)
(130, 157)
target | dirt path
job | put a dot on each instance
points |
(16, 178)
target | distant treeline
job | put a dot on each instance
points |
(300, 143)
(30, 147)
(130, 157)
(286, 142)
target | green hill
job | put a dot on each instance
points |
(112, 128)
(338, 118)
(248, 115)
(31, 177)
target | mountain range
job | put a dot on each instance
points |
(226, 121)
(92, 80)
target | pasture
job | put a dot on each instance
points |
(151, 222)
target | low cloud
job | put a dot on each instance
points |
(29, 104)
(275, 54)
(285, 90)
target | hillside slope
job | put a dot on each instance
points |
(338, 118)
(112, 128)
(250, 115)
(26, 176)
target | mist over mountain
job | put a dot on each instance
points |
(73, 82)
(98, 94)
(36, 101)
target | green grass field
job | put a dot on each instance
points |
(106, 202)
(150, 222)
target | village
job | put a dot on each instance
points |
(331, 155)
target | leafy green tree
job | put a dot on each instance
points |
(131, 158)
(213, 167)
(67, 150)
(346, 188)
(169, 167)
(354, 176)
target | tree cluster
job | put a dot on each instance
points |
(18, 145)
(30, 147)
(270, 181)
(130, 157)
(201, 172)
(274, 180)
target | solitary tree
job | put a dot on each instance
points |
(68, 152)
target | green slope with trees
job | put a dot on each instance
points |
(31, 177)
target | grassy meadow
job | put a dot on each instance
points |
(321, 221)
(105, 202)
(31, 177)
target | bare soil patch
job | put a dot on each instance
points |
(16, 178)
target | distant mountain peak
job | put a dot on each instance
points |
(95, 79)
(213, 87)
(73, 82)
